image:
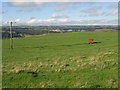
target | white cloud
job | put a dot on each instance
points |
(20, 4)
(65, 22)
(97, 14)
(63, 0)
(94, 11)
(2, 12)
(113, 5)
(115, 12)
(32, 21)
(30, 9)
(91, 9)
(17, 20)
(46, 21)
(59, 16)
(60, 8)
(24, 4)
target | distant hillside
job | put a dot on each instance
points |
(106, 30)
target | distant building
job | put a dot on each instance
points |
(56, 30)
(83, 30)
(69, 30)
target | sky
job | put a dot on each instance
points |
(60, 13)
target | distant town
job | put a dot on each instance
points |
(22, 31)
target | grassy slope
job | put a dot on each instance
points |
(62, 60)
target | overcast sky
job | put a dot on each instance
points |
(63, 13)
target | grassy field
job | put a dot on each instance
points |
(63, 60)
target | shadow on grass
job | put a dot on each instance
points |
(42, 47)
(82, 44)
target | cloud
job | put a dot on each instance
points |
(113, 13)
(60, 8)
(28, 9)
(94, 11)
(2, 12)
(113, 5)
(47, 21)
(65, 22)
(59, 16)
(97, 14)
(91, 9)
(64, 0)
(20, 4)
(32, 17)
(83, 15)
(24, 4)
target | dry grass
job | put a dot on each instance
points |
(59, 65)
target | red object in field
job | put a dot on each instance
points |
(91, 41)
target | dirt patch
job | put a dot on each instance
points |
(36, 35)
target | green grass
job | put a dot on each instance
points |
(63, 60)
